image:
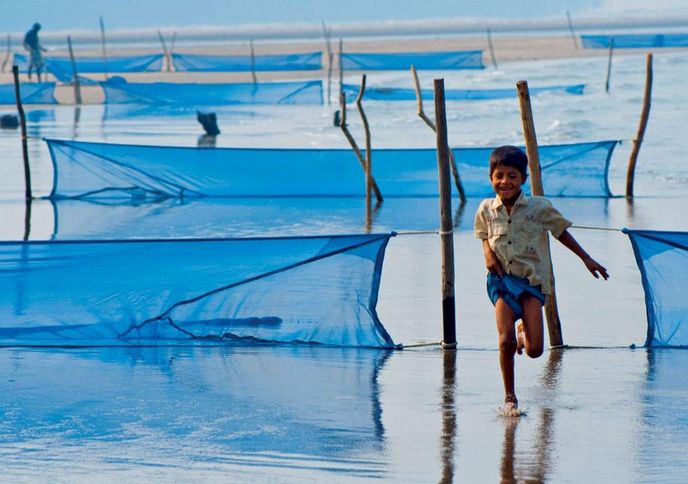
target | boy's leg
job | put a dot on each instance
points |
(507, 346)
(533, 327)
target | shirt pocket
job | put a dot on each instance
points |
(528, 239)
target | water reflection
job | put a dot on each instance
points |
(533, 465)
(254, 409)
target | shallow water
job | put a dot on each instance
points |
(295, 413)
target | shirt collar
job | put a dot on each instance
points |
(497, 202)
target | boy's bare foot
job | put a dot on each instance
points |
(510, 406)
(520, 338)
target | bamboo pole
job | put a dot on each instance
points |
(368, 150)
(8, 53)
(446, 223)
(341, 69)
(354, 145)
(102, 40)
(491, 47)
(165, 52)
(328, 49)
(253, 62)
(609, 65)
(449, 417)
(551, 311)
(642, 125)
(25, 148)
(428, 121)
(573, 33)
(75, 75)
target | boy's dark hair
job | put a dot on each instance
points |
(509, 156)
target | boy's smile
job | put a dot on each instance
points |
(506, 182)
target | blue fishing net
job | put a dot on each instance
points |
(662, 258)
(319, 289)
(408, 94)
(193, 94)
(245, 63)
(104, 170)
(462, 59)
(31, 93)
(634, 41)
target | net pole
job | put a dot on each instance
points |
(102, 41)
(551, 311)
(253, 62)
(165, 52)
(8, 53)
(642, 125)
(573, 33)
(341, 69)
(24, 139)
(446, 223)
(491, 47)
(609, 65)
(75, 74)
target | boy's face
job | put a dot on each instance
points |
(506, 182)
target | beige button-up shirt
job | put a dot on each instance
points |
(520, 240)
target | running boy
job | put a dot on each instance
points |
(513, 229)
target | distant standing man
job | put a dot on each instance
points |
(33, 45)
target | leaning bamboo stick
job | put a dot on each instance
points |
(491, 47)
(75, 78)
(573, 33)
(165, 52)
(102, 40)
(551, 311)
(354, 145)
(24, 137)
(8, 53)
(366, 130)
(644, 115)
(609, 65)
(253, 63)
(327, 34)
(428, 121)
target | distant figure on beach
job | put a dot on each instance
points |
(513, 229)
(33, 45)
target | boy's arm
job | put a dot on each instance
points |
(593, 266)
(491, 260)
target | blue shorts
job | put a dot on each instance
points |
(511, 289)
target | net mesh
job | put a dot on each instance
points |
(300, 289)
(103, 170)
(31, 93)
(462, 59)
(245, 63)
(662, 258)
(634, 41)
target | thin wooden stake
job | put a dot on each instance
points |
(644, 115)
(75, 75)
(22, 120)
(489, 44)
(102, 41)
(368, 150)
(354, 145)
(551, 311)
(428, 121)
(446, 223)
(9, 52)
(253, 62)
(341, 69)
(165, 52)
(609, 65)
(328, 49)
(573, 34)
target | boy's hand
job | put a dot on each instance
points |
(493, 264)
(594, 267)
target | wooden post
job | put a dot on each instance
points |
(644, 115)
(446, 223)
(551, 311)
(341, 69)
(368, 150)
(428, 121)
(102, 41)
(354, 145)
(489, 44)
(328, 50)
(573, 34)
(449, 414)
(22, 121)
(253, 62)
(8, 53)
(75, 77)
(609, 65)
(165, 52)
